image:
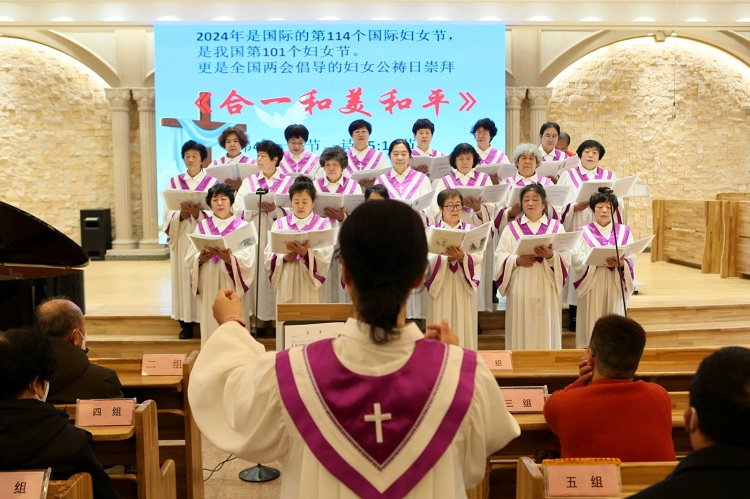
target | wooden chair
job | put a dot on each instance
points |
(635, 477)
(78, 486)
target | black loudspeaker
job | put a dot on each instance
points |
(96, 232)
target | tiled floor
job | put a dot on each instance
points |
(225, 483)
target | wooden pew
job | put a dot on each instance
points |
(635, 477)
(179, 436)
(137, 444)
(78, 486)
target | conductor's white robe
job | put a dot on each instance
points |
(452, 292)
(184, 304)
(598, 288)
(209, 277)
(533, 309)
(240, 397)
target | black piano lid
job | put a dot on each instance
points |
(26, 240)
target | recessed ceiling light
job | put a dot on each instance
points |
(6, 19)
(62, 19)
(695, 20)
(644, 20)
(539, 19)
(743, 20)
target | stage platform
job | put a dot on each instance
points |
(128, 308)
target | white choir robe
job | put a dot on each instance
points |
(533, 312)
(209, 277)
(334, 291)
(572, 220)
(430, 153)
(452, 292)
(476, 218)
(240, 397)
(411, 184)
(598, 288)
(278, 183)
(306, 163)
(491, 156)
(184, 304)
(226, 160)
(366, 159)
(302, 280)
(554, 155)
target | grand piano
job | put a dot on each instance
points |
(36, 262)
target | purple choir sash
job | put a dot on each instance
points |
(280, 185)
(558, 155)
(401, 190)
(224, 160)
(347, 185)
(594, 238)
(494, 156)
(517, 229)
(418, 153)
(352, 404)
(204, 184)
(306, 164)
(207, 226)
(580, 175)
(369, 162)
(286, 224)
(523, 181)
(453, 267)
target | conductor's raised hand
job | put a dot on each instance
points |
(441, 332)
(226, 304)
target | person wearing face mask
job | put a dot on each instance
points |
(75, 377)
(33, 434)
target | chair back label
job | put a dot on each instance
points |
(105, 412)
(162, 364)
(25, 484)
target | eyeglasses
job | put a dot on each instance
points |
(453, 207)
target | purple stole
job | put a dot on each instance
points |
(594, 239)
(451, 181)
(347, 185)
(204, 184)
(580, 175)
(402, 190)
(558, 155)
(418, 153)
(376, 415)
(280, 185)
(306, 164)
(225, 160)
(285, 223)
(207, 226)
(518, 229)
(494, 156)
(453, 267)
(534, 179)
(369, 162)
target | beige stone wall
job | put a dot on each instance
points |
(56, 146)
(622, 96)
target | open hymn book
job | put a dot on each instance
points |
(597, 257)
(236, 240)
(561, 241)
(437, 167)
(470, 241)
(335, 201)
(315, 239)
(173, 198)
(234, 171)
(556, 168)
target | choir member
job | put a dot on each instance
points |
(548, 136)
(464, 158)
(575, 215)
(297, 161)
(361, 155)
(423, 130)
(213, 269)
(376, 192)
(484, 131)
(532, 283)
(333, 161)
(233, 140)
(177, 226)
(452, 280)
(563, 142)
(600, 289)
(298, 276)
(419, 416)
(403, 183)
(268, 177)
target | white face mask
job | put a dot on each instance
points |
(83, 341)
(46, 391)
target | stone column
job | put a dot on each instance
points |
(514, 97)
(144, 97)
(119, 102)
(539, 106)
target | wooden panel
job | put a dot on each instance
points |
(78, 486)
(714, 246)
(683, 231)
(743, 239)
(314, 312)
(733, 196)
(730, 214)
(657, 246)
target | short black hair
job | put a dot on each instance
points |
(564, 136)
(271, 148)
(448, 193)
(720, 394)
(302, 184)
(617, 344)
(590, 143)
(192, 145)
(220, 189)
(357, 124)
(377, 189)
(539, 189)
(601, 197)
(549, 124)
(423, 123)
(25, 354)
(463, 148)
(396, 142)
(294, 131)
(488, 125)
